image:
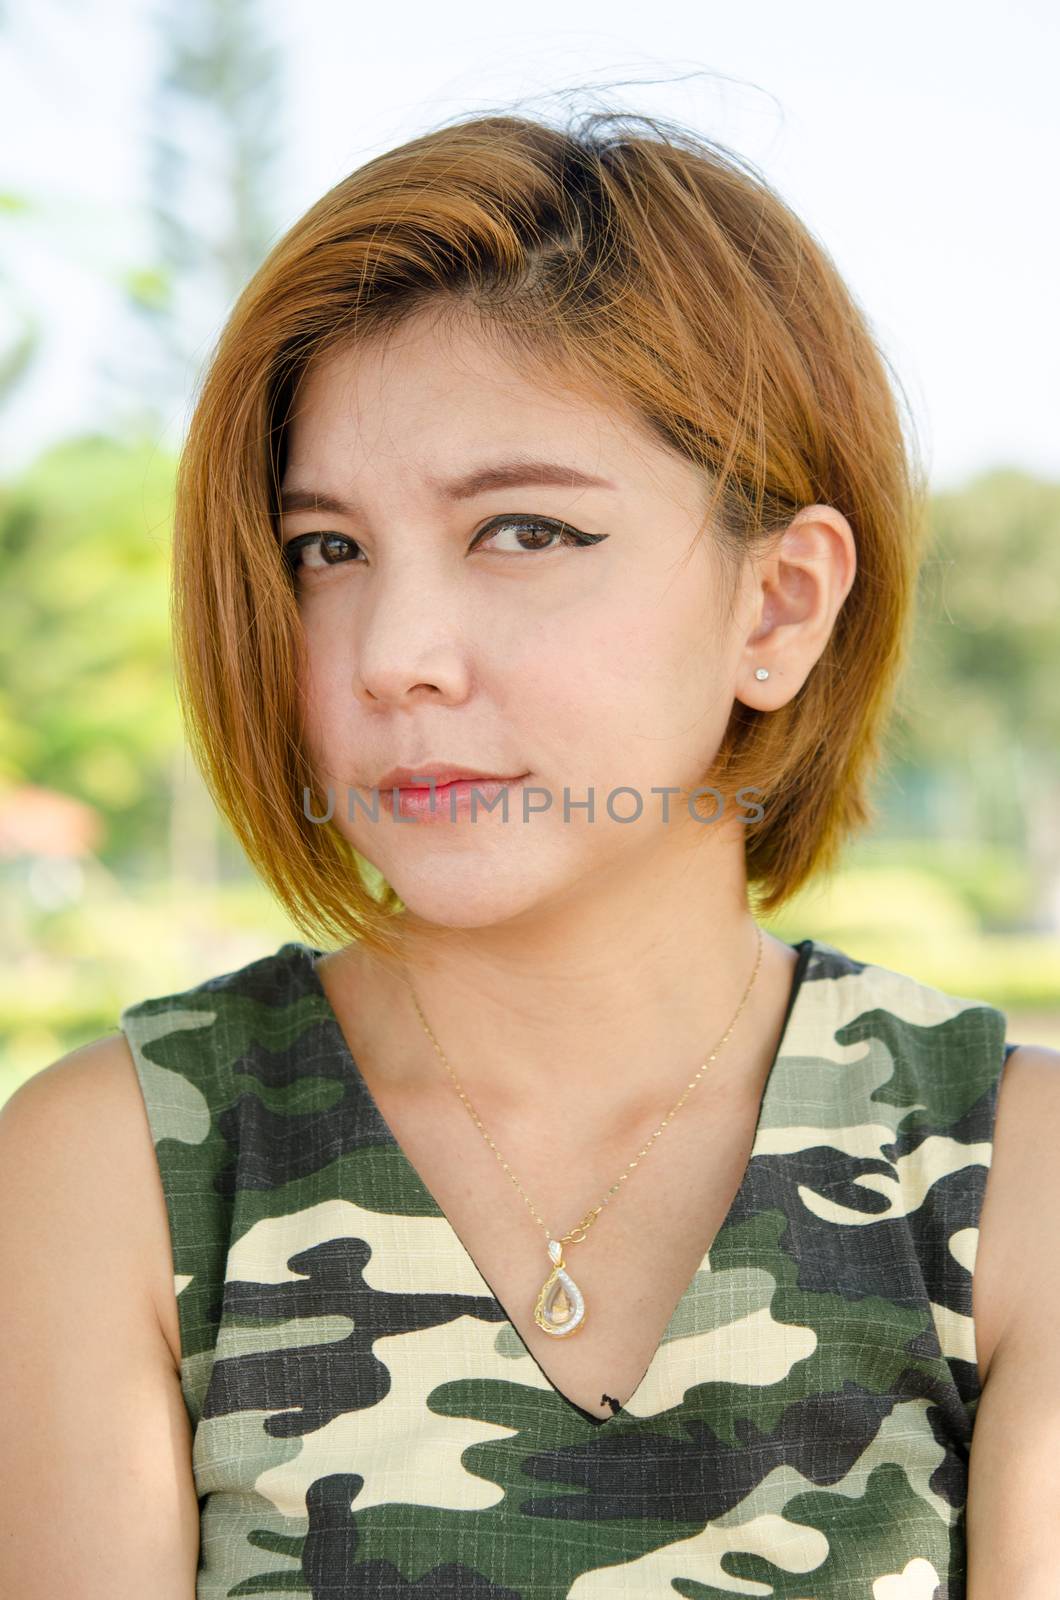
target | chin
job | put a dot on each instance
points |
(459, 893)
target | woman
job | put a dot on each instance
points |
(546, 544)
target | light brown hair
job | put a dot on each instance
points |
(637, 259)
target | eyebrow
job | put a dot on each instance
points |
(518, 473)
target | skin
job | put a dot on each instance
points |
(546, 954)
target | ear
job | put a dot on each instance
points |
(798, 586)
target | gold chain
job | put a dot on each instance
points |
(577, 1233)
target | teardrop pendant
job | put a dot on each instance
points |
(560, 1308)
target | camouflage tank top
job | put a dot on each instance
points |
(368, 1422)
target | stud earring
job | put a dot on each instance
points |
(763, 672)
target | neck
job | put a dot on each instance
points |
(606, 1002)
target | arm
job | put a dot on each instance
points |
(97, 1493)
(1013, 1512)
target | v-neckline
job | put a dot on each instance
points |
(308, 956)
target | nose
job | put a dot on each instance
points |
(409, 640)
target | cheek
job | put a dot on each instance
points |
(654, 696)
(325, 699)
(562, 680)
(594, 698)
(644, 656)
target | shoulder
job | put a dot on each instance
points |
(93, 1084)
(1014, 1465)
(95, 1421)
(1031, 1078)
(1020, 1218)
(75, 1137)
(82, 1116)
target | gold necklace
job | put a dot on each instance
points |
(560, 1306)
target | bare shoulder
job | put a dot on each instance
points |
(78, 1128)
(1023, 1169)
(1014, 1466)
(96, 1474)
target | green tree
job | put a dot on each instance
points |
(86, 698)
(983, 693)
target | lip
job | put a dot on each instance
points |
(451, 801)
(416, 777)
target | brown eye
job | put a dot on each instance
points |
(540, 531)
(328, 551)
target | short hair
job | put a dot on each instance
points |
(641, 260)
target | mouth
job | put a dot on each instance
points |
(449, 783)
(449, 800)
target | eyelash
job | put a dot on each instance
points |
(568, 536)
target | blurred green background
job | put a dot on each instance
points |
(117, 879)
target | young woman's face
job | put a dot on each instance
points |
(562, 633)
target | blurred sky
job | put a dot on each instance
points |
(919, 141)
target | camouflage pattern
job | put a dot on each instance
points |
(368, 1422)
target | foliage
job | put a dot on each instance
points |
(988, 643)
(86, 704)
